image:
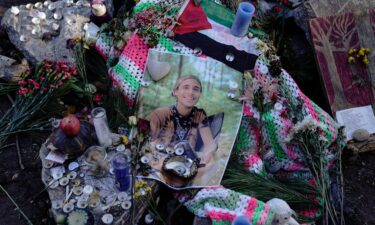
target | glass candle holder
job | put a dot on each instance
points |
(121, 167)
(103, 133)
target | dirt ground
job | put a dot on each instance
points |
(26, 188)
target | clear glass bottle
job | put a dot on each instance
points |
(103, 133)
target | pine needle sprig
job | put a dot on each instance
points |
(17, 207)
(265, 188)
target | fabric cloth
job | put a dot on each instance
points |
(192, 19)
(166, 123)
(229, 55)
(222, 206)
(221, 34)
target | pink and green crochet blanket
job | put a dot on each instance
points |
(222, 206)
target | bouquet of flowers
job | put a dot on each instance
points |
(37, 87)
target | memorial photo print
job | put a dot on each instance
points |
(194, 120)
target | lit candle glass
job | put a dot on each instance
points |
(242, 20)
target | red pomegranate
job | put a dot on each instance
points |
(70, 125)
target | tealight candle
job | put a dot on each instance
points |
(242, 20)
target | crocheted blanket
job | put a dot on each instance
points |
(262, 149)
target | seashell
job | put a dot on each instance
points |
(68, 207)
(81, 204)
(70, 20)
(88, 189)
(145, 160)
(57, 204)
(35, 20)
(160, 147)
(73, 166)
(86, 26)
(180, 166)
(94, 202)
(107, 218)
(57, 16)
(63, 181)
(126, 205)
(157, 69)
(75, 182)
(86, 4)
(15, 10)
(79, 3)
(35, 31)
(42, 15)
(29, 6)
(170, 150)
(34, 13)
(149, 219)
(56, 175)
(179, 150)
(72, 175)
(54, 184)
(55, 26)
(361, 135)
(120, 148)
(69, 2)
(122, 196)
(47, 164)
(46, 3)
(77, 190)
(23, 39)
(38, 5)
(98, 9)
(51, 7)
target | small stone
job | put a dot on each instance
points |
(361, 135)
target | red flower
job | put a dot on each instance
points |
(44, 88)
(42, 78)
(97, 98)
(46, 66)
(36, 85)
(22, 83)
(60, 83)
(143, 126)
(277, 9)
(274, 97)
(52, 86)
(23, 91)
(73, 71)
(48, 60)
(284, 114)
(66, 76)
(64, 67)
